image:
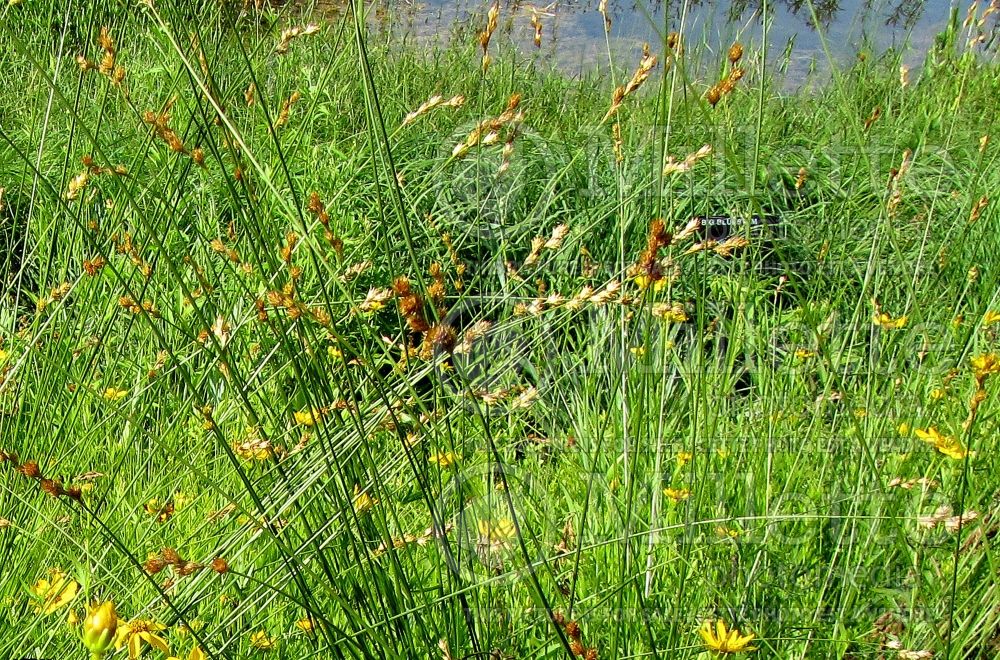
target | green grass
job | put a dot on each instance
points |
(777, 403)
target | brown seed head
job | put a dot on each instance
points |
(30, 470)
(441, 337)
(188, 568)
(713, 95)
(735, 52)
(154, 564)
(52, 487)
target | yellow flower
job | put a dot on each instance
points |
(677, 494)
(643, 282)
(253, 447)
(904, 429)
(985, 365)
(804, 354)
(500, 531)
(937, 393)
(947, 445)
(638, 351)
(3, 355)
(723, 640)
(162, 511)
(670, 312)
(443, 459)
(261, 640)
(886, 322)
(196, 654)
(990, 318)
(684, 457)
(114, 394)
(100, 628)
(308, 417)
(727, 532)
(306, 625)
(181, 500)
(137, 634)
(54, 592)
(363, 502)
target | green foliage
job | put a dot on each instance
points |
(200, 360)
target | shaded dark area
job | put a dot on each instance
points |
(16, 271)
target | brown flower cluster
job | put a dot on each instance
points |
(124, 244)
(290, 34)
(411, 305)
(287, 297)
(646, 66)
(724, 87)
(575, 635)
(540, 243)
(318, 209)
(492, 20)
(56, 294)
(94, 266)
(30, 470)
(648, 265)
(156, 562)
(873, 117)
(488, 131)
(587, 295)
(80, 181)
(436, 101)
(146, 307)
(108, 66)
(160, 122)
(286, 109)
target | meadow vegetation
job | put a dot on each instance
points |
(314, 344)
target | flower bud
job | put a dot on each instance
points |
(99, 628)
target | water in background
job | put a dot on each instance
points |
(573, 36)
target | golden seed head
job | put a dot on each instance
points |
(713, 95)
(30, 470)
(154, 564)
(735, 52)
